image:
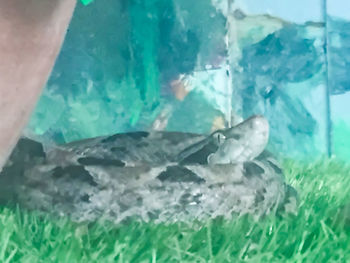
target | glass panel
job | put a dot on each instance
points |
(191, 66)
(280, 71)
(338, 29)
(138, 65)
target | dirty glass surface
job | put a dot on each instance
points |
(197, 66)
(137, 66)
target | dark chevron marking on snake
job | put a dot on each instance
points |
(163, 176)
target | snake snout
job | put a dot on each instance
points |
(258, 122)
(260, 126)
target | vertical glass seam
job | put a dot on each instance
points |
(328, 93)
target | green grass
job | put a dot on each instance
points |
(319, 233)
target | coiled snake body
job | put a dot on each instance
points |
(161, 176)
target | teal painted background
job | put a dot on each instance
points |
(196, 66)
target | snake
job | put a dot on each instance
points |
(160, 176)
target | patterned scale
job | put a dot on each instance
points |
(160, 176)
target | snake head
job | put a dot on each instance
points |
(242, 142)
(237, 144)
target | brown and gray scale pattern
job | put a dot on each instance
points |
(161, 176)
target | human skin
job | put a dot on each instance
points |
(31, 34)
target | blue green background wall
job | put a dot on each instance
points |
(195, 66)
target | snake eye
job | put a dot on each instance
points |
(219, 138)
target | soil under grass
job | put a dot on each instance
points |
(319, 233)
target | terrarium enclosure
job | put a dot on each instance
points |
(190, 66)
(196, 66)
